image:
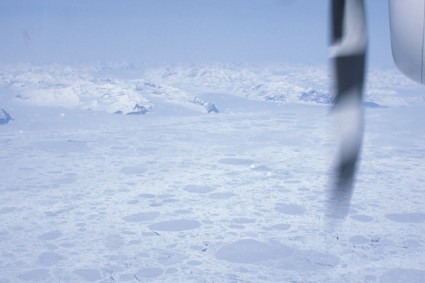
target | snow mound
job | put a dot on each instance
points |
(76, 87)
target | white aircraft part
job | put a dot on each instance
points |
(407, 37)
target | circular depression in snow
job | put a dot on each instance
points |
(406, 217)
(221, 195)
(281, 227)
(61, 146)
(359, 240)
(149, 272)
(35, 275)
(49, 258)
(133, 170)
(251, 251)
(88, 274)
(362, 218)
(142, 216)
(198, 189)
(236, 161)
(243, 220)
(289, 208)
(399, 275)
(51, 235)
(175, 225)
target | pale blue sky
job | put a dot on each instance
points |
(173, 31)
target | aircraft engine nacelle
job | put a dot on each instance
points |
(407, 26)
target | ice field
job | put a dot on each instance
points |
(181, 195)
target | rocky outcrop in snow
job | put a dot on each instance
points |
(211, 108)
(140, 109)
(275, 98)
(316, 96)
(4, 117)
(371, 104)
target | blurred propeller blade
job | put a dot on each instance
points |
(348, 56)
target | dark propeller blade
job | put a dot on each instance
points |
(348, 56)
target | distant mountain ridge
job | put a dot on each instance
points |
(132, 89)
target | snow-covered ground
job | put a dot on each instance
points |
(179, 195)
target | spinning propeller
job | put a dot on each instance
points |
(348, 55)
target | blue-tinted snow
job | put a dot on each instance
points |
(186, 196)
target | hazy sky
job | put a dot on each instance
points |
(172, 31)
